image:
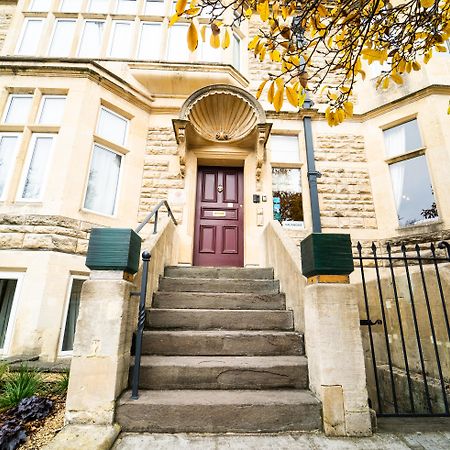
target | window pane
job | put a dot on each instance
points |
(40, 5)
(8, 146)
(121, 40)
(72, 315)
(208, 53)
(52, 110)
(236, 52)
(98, 6)
(150, 42)
(284, 148)
(103, 181)
(70, 5)
(91, 41)
(112, 127)
(37, 168)
(31, 37)
(155, 8)
(178, 49)
(402, 139)
(126, 6)
(62, 38)
(287, 196)
(7, 290)
(413, 192)
(18, 109)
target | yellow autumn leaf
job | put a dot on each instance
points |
(261, 88)
(401, 66)
(271, 92)
(263, 10)
(262, 54)
(278, 99)
(348, 108)
(193, 11)
(426, 3)
(284, 12)
(385, 83)
(301, 98)
(280, 83)
(253, 43)
(397, 78)
(415, 65)
(441, 48)
(192, 37)
(180, 6)
(248, 13)
(292, 96)
(275, 56)
(448, 110)
(408, 67)
(340, 114)
(203, 32)
(226, 39)
(173, 19)
(214, 40)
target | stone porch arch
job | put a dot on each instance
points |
(225, 126)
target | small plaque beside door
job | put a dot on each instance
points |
(219, 213)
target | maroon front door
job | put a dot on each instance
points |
(219, 221)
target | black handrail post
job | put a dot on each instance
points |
(155, 224)
(140, 328)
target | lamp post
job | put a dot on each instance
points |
(312, 173)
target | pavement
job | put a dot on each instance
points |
(393, 434)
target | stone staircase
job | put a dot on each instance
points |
(220, 355)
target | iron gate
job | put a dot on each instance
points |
(406, 333)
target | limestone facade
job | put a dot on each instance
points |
(43, 242)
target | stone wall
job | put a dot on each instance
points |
(6, 13)
(345, 193)
(44, 232)
(158, 178)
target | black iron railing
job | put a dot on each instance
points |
(406, 356)
(155, 213)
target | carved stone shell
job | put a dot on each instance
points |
(222, 117)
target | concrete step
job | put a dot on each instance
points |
(203, 300)
(223, 372)
(245, 343)
(218, 285)
(207, 319)
(219, 272)
(216, 411)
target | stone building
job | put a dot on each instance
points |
(105, 113)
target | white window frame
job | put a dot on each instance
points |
(68, 11)
(8, 105)
(154, 24)
(82, 35)
(119, 182)
(130, 23)
(88, 8)
(41, 107)
(22, 33)
(26, 168)
(12, 317)
(39, 10)
(58, 20)
(9, 176)
(72, 277)
(127, 125)
(136, 10)
(291, 164)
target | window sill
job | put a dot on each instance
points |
(420, 226)
(95, 213)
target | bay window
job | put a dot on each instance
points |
(17, 109)
(112, 127)
(150, 41)
(40, 5)
(36, 167)
(411, 183)
(8, 293)
(51, 110)
(70, 6)
(121, 39)
(92, 38)
(177, 49)
(8, 150)
(73, 309)
(155, 8)
(62, 37)
(126, 7)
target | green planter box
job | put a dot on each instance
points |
(326, 254)
(114, 249)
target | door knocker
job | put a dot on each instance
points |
(219, 188)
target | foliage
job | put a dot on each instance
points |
(62, 384)
(18, 385)
(3, 372)
(33, 408)
(313, 39)
(11, 435)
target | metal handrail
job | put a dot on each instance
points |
(155, 212)
(140, 328)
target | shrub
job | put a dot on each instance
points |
(33, 408)
(11, 435)
(18, 385)
(62, 384)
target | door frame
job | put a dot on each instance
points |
(242, 209)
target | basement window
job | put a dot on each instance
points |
(73, 309)
(8, 294)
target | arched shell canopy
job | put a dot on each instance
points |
(222, 113)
